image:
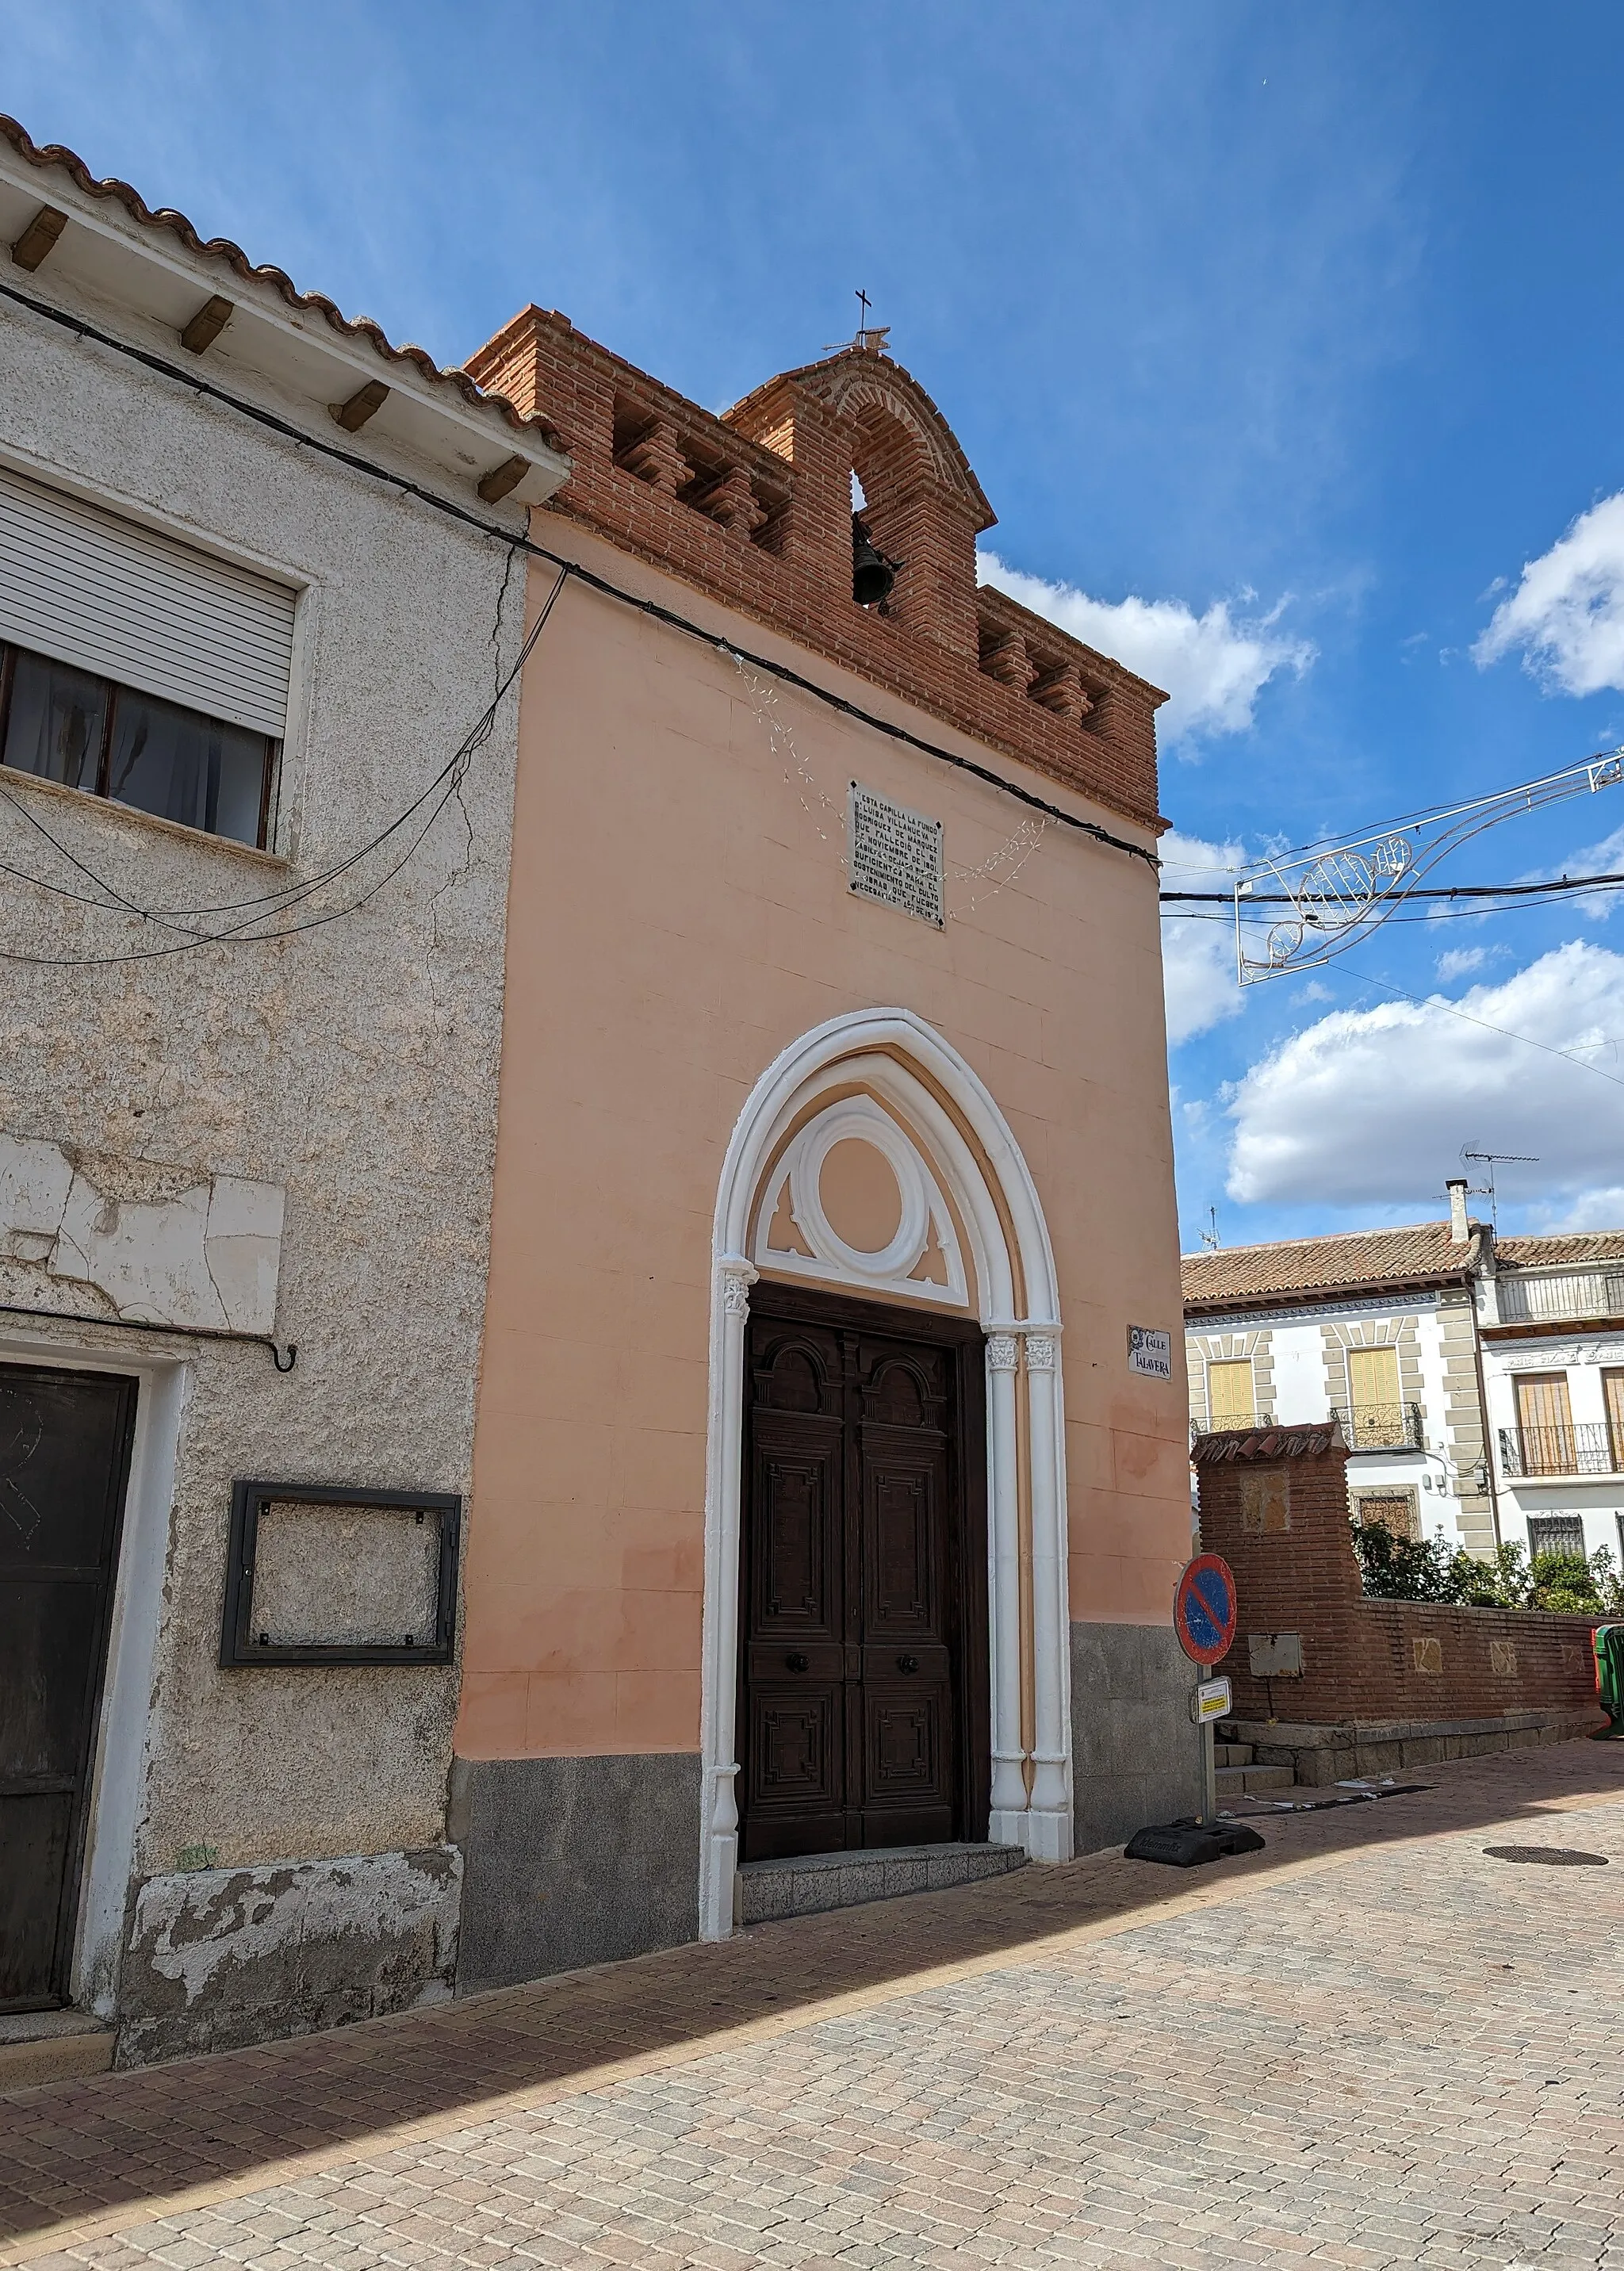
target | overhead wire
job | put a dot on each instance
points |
(198, 384)
(1550, 886)
(268, 908)
(294, 894)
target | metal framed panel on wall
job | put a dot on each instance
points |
(320, 1573)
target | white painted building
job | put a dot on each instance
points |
(1480, 1380)
(1378, 1327)
(251, 930)
(1551, 1316)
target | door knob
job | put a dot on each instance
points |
(908, 1663)
(797, 1661)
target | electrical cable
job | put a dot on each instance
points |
(448, 780)
(198, 384)
(1601, 887)
(1554, 887)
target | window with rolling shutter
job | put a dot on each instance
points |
(81, 586)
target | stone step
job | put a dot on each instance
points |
(805, 1884)
(1234, 1781)
(38, 2046)
(1233, 1755)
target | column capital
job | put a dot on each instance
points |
(735, 1277)
(1042, 1351)
(1003, 1353)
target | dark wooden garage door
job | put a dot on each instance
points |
(64, 1461)
(863, 1624)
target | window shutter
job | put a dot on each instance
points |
(1232, 1395)
(1373, 1376)
(1542, 1399)
(85, 587)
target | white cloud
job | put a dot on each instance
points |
(1198, 957)
(1566, 617)
(1371, 1106)
(1212, 667)
(1461, 961)
(1602, 1209)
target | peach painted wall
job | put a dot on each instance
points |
(675, 919)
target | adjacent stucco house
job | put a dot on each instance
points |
(1553, 1329)
(249, 1036)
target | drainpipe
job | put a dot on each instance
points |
(1489, 1439)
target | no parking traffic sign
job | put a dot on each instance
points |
(1204, 1609)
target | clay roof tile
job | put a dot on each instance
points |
(1420, 1253)
(227, 255)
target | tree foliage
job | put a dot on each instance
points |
(1430, 1569)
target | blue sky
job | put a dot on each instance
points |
(1282, 338)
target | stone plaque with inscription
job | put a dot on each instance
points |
(896, 855)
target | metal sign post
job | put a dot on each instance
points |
(1204, 1616)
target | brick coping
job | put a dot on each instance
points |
(1299, 1736)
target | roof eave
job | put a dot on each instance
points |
(1310, 1296)
(153, 266)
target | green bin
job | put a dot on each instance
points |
(1610, 1675)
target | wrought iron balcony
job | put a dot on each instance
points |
(1232, 1423)
(1380, 1426)
(1555, 1299)
(1583, 1447)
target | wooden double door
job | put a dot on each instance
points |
(863, 1697)
(65, 1461)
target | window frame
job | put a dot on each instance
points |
(1391, 1494)
(1551, 1521)
(10, 649)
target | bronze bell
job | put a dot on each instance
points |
(873, 575)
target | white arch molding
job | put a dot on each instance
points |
(897, 1057)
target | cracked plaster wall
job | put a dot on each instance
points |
(343, 1080)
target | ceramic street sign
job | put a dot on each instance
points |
(1150, 1352)
(1204, 1609)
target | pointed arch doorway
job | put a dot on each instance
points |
(949, 1253)
(862, 1711)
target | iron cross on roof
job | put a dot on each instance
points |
(871, 338)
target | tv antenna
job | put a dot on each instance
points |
(1209, 1237)
(1489, 1160)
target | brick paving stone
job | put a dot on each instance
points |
(1367, 2046)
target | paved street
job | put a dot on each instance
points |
(1372, 2044)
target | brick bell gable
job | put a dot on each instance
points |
(753, 508)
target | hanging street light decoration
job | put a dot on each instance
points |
(1331, 895)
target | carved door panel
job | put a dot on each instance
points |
(792, 1740)
(64, 1459)
(909, 1762)
(855, 1699)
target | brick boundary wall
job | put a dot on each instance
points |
(1274, 1502)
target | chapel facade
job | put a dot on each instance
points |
(819, 1507)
